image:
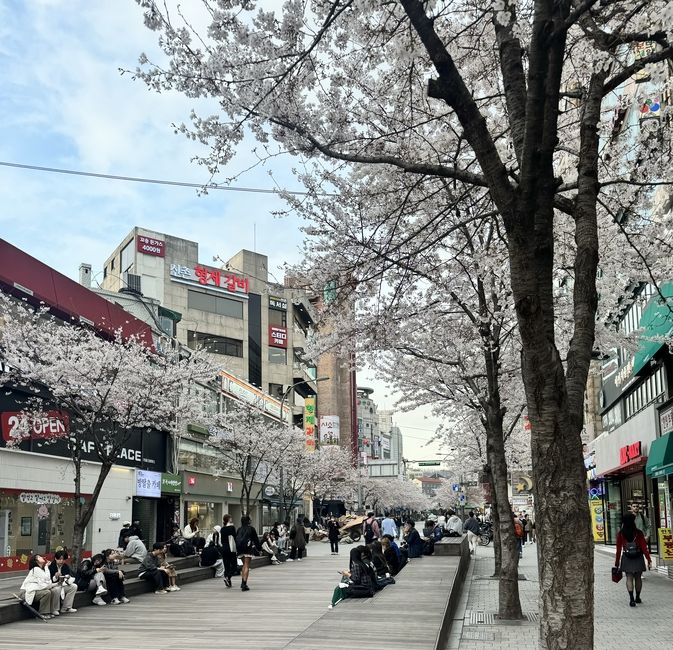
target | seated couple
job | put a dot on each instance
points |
(102, 577)
(155, 569)
(49, 583)
(367, 574)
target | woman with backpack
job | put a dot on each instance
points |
(247, 547)
(632, 551)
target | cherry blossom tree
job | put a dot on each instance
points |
(109, 388)
(333, 476)
(410, 99)
(252, 446)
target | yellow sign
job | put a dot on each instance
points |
(597, 519)
(309, 422)
(666, 544)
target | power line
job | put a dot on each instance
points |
(154, 181)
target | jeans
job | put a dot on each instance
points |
(158, 578)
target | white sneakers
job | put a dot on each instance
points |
(125, 600)
(160, 591)
(99, 601)
(101, 591)
(173, 588)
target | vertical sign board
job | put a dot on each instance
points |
(597, 514)
(329, 429)
(309, 422)
(666, 544)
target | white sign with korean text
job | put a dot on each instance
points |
(148, 484)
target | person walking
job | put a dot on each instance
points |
(642, 522)
(298, 541)
(247, 547)
(388, 526)
(471, 526)
(630, 558)
(333, 535)
(370, 528)
(228, 541)
(523, 519)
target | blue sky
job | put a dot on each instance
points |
(65, 104)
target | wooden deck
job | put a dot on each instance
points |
(407, 615)
(283, 603)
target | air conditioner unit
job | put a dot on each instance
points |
(131, 283)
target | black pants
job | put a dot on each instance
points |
(358, 591)
(158, 578)
(334, 545)
(297, 552)
(230, 564)
(115, 585)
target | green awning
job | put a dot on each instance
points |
(660, 457)
(657, 320)
(175, 316)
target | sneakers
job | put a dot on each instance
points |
(56, 613)
(289, 560)
(101, 591)
(227, 581)
(72, 610)
(298, 559)
(115, 601)
(99, 601)
(173, 588)
(125, 600)
(160, 591)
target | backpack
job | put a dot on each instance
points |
(518, 529)
(632, 550)
(244, 544)
(176, 549)
(369, 532)
(210, 555)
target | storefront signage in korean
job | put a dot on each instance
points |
(170, 483)
(666, 421)
(40, 498)
(309, 422)
(51, 424)
(277, 303)
(251, 395)
(277, 336)
(148, 484)
(150, 246)
(329, 429)
(210, 278)
(629, 453)
(666, 544)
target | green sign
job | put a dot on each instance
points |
(428, 463)
(171, 483)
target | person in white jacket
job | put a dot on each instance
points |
(39, 588)
(193, 534)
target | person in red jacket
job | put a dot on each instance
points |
(631, 553)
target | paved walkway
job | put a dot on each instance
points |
(649, 625)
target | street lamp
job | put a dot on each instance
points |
(282, 419)
(291, 387)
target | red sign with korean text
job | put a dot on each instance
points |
(51, 424)
(629, 453)
(277, 336)
(150, 246)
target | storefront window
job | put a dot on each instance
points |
(206, 513)
(33, 522)
(613, 511)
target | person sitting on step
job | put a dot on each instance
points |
(151, 569)
(61, 574)
(38, 588)
(91, 577)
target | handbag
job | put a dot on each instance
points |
(617, 574)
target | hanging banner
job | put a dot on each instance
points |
(329, 429)
(309, 422)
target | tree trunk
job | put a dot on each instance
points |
(562, 521)
(84, 511)
(509, 604)
(495, 522)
